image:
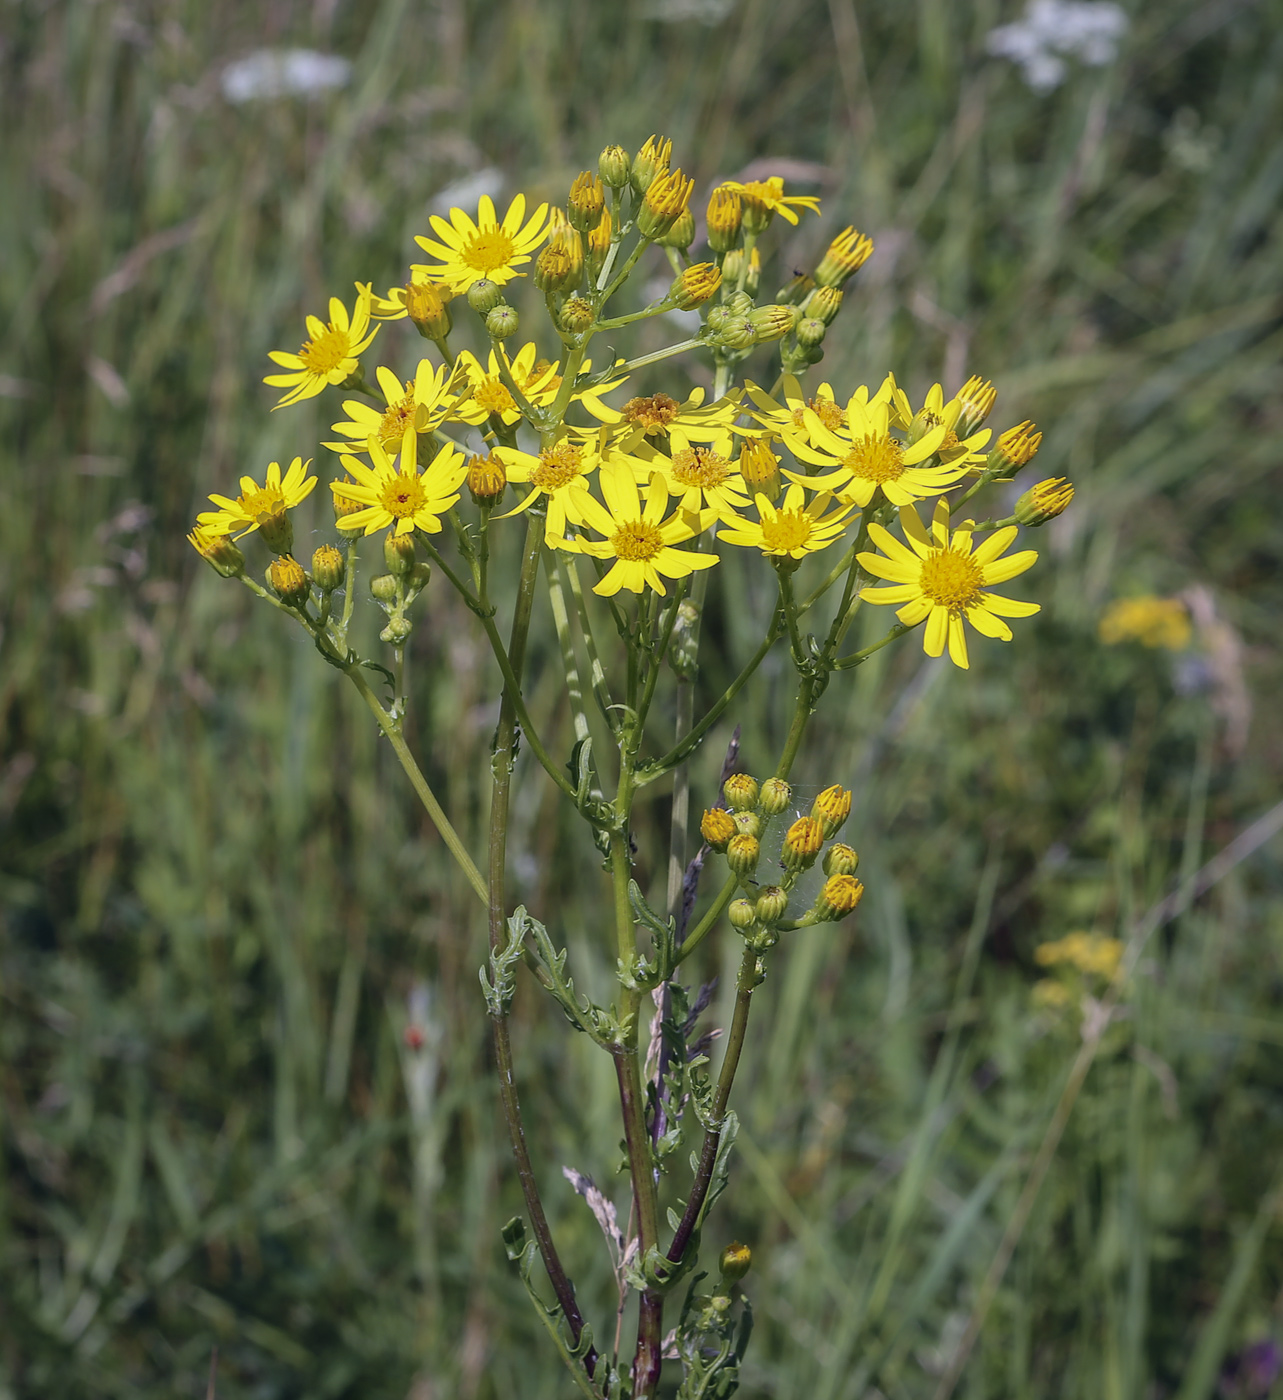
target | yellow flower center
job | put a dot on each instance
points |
(653, 414)
(558, 467)
(824, 409)
(951, 580)
(327, 351)
(700, 466)
(636, 541)
(262, 505)
(398, 418)
(402, 496)
(789, 530)
(876, 459)
(493, 397)
(490, 249)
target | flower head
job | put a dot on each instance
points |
(395, 494)
(330, 353)
(467, 251)
(424, 401)
(1153, 622)
(765, 198)
(637, 537)
(791, 531)
(941, 579)
(261, 507)
(845, 256)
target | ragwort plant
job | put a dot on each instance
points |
(625, 512)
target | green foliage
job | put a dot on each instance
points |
(242, 1047)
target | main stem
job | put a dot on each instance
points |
(501, 785)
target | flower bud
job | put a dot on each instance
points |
(976, 400)
(841, 859)
(681, 234)
(735, 1262)
(667, 199)
(774, 797)
(344, 506)
(741, 914)
(831, 808)
(840, 895)
(397, 630)
(277, 530)
(502, 322)
(748, 822)
(737, 264)
(576, 316)
(398, 554)
(383, 588)
(735, 333)
(772, 905)
(586, 202)
(742, 854)
(717, 827)
(417, 579)
(1044, 502)
(802, 843)
(824, 303)
(484, 295)
(425, 305)
(760, 468)
(561, 264)
(740, 791)
(289, 581)
(486, 479)
(848, 252)
(695, 285)
(327, 568)
(1015, 448)
(614, 167)
(725, 214)
(219, 551)
(772, 322)
(598, 244)
(810, 332)
(649, 163)
(796, 290)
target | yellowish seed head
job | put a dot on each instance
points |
(839, 897)
(289, 581)
(846, 255)
(802, 843)
(667, 199)
(831, 808)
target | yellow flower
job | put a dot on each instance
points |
(329, 355)
(537, 379)
(942, 580)
(259, 505)
(873, 459)
(430, 301)
(1153, 622)
(560, 473)
(845, 256)
(399, 496)
(790, 420)
(792, 531)
(1050, 995)
(766, 197)
(934, 413)
(637, 538)
(424, 401)
(700, 474)
(468, 251)
(1088, 952)
(643, 419)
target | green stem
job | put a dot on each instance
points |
(856, 657)
(701, 930)
(569, 571)
(642, 360)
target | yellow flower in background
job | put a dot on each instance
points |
(394, 494)
(468, 251)
(329, 355)
(1090, 953)
(767, 197)
(942, 580)
(1153, 622)
(873, 459)
(259, 505)
(1050, 995)
(638, 538)
(793, 530)
(424, 401)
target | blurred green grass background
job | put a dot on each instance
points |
(221, 909)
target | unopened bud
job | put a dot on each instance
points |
(839, 896)
(976, 399)
(398, 554)
(695, 285)
(327, 568)
(725, 214)
(810, 332)
(735, 333)
(277, 530)
(289, 581)
(561, 264)
(598, 244)
(773, 322)
(747, 822)
(831, 808)
(743, 853)
(760, 468)
(802, 843)
(772, 905)
(486, 479)
(426, 305)
(735, 1262)
(219, 551)
(717, 827)
(383, 588)
(344, 506)
(774, 797)
(667, 199)
(741, 914)
(484, 295)
(502, 322)
(397, 630)
(740, 791)
(650, 163)
(1014, 449)
(681, 233)
(841, 859)
(824, 303)
(614, 167)
(587, 200)
(576, 316)
(740, 268)
(1044, 502)
(848, 252)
